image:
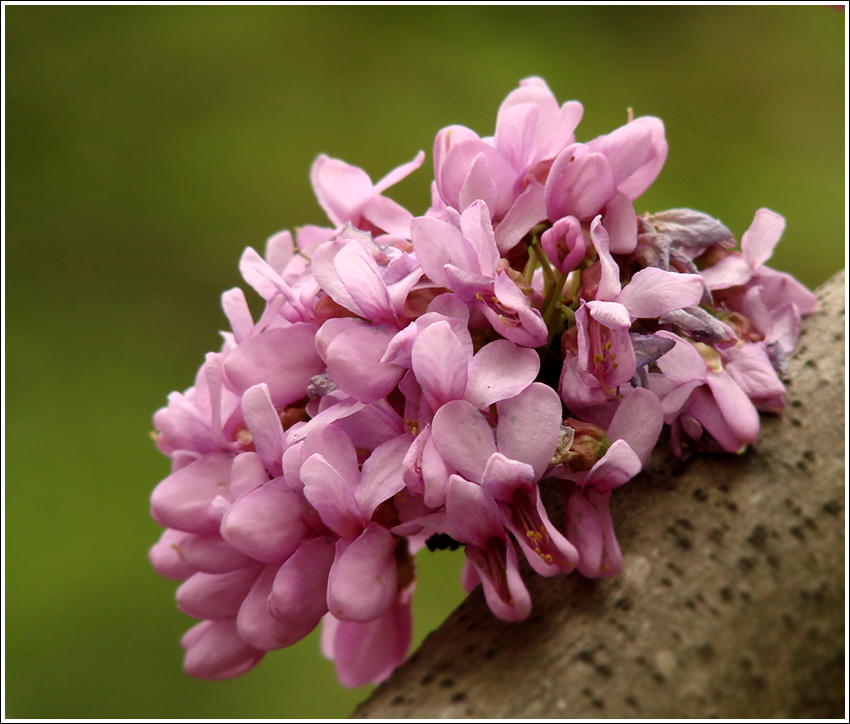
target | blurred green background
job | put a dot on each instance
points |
(146, 146)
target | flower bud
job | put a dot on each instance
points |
(589, 444)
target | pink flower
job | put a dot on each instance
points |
(347, 195)
(507, 467)
(633, 431)
(461, 255)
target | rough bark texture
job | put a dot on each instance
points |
(730, 602)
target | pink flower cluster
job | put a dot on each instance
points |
(412, 379)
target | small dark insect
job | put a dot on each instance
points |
(442, 542)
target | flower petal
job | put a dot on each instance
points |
(214, 650)
(529, 425)
(300, 590)
(500, 370)
(363, 579)
(463, 437)
(266, 523)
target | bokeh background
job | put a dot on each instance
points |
(146, 146)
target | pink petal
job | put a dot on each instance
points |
(463, 437)
(353, 359)
(266, 523)
(216, 595)
(247, 473)
(299, 592)
(527, 211)
(740, 414)
(503, 476)
(399, 173)
(619, 465)
(653, 292)
(516, 605)
(438, 243)
(499, 370)
(435, 475)
(477, 230)
(638, 421)
(238, 314)
(381, 476)
(182, 500)
(621, 222)
(367, 653)
(258, 627)
(166, 559)
(759, 241)
(360, 274)
(264, 423)
(730, 271)
(363, 579)
(211, 554)
(325, 272)
(440, 364)
(214, 650)
(585, 533)
(612, 315)
(580, 183)
(472, 513)
(609, 281)
(340, 188)
(636, 152)
(529, 425)
(332, 497)
(284, 358)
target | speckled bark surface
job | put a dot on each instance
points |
(731, 599)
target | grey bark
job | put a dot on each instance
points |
(731, 599)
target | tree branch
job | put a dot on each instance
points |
(731, 598)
